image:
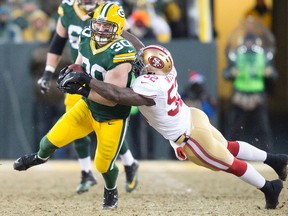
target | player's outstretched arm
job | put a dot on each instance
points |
(111, 92)
(124, 96)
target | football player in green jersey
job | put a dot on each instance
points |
(106, 56)
(73, 17)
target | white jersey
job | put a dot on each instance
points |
(169, 116)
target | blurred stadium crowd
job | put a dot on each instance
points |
(35, 20)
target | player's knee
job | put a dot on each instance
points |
(101, 165)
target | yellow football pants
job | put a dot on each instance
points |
(78, 122)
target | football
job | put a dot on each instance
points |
(77, 68)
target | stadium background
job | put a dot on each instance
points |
(16, 130)
(165, 187)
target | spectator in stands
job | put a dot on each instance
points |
(171, 10)
(195, 94)
(249, 67)
(20, 10)
(9, 32)
(38, 28)
(140, 24)
(159, 26)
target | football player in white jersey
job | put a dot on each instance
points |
(155, 92)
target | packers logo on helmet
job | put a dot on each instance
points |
(153, 59)
(107, 23)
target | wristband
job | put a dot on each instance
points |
(50, 68)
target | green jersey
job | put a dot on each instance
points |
(97, 61)
(74, 20)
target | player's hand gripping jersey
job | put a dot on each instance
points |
(169, 107)
(97, 61)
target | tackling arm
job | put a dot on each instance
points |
(114, 88)
(124, 96)
(109, 93)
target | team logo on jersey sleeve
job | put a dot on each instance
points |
(156, 62)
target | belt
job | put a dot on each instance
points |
(182, 138)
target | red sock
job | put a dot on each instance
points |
(233, 147)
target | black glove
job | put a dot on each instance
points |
(76, 88)
(75, 77)
(45, 81)
(63, 72)
(75, 83)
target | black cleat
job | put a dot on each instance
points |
(27, 161)
(272, 191)
(110, 201)
(279, 163)
(131, 176)
(87, 181)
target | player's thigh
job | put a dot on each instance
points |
(218, 136)
(74, 124)
(71, 100)
(110, 136)
(201, 122)
(206, 147)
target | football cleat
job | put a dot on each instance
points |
(272, 191)
(279, 163)
(110, 201)
(27, 161)
(87, 181)
(131, 176)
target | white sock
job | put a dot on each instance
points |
(85, 163)
(249, 152)
(252, 177)
(127, 158)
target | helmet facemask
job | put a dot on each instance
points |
(139, 66)
(88, 5)
(103, 31)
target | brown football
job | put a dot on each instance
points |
(77, 68)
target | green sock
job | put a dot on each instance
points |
(124, 148)
(82, 147)
(110, 178)
(46, 148)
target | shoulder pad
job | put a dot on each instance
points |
(64, 4)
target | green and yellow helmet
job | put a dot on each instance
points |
(107, 23)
